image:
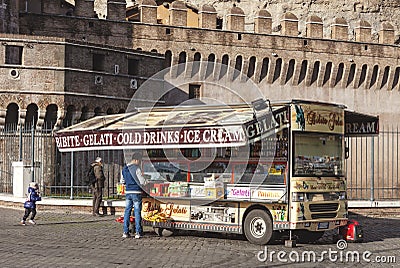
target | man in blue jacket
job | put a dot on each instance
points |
(133, 178)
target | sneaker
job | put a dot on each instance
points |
(22, 222)
(32, 222)
(125, 235)
(137, 236)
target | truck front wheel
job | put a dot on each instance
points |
(258, 227)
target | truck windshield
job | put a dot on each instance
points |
(317, 154)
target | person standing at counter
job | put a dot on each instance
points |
(133, 179)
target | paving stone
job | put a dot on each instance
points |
(81, 240)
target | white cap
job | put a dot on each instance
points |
(98, 159)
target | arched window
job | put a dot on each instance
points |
(181, 62)
(69, 116)
(315, 73)
(50, 118)
(238, 66)
(303, 71)
(98, 111)
(363, 75)
(264, 69)
(84, 114)
(32, 115)
(210, 65)
(196, 63)
(352, 74)
(277, 71)
(252, 67)
(168, 59)
(224, 65)
(396, 78)
(328, 71)
(12, 116)
(290, 71)
(339, 74)
(374, 76)
(385, 76)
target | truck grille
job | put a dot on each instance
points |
(323, 216)
(324, 207)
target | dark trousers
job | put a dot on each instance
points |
(29, 211)
(97, 198)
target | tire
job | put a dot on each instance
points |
(258, 227)
(305, 236)
(163, 232)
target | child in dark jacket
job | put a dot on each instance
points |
(30, 203)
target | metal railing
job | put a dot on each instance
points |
(55, 173)
(373, 166)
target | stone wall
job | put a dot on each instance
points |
(9, 16)
(375, 12)
(357, 61)
(62, 72)
(287, 65)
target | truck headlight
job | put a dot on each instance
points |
(342, 196)
(298, 197)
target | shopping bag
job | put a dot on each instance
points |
(28, 204)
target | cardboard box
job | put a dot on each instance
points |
(214, 193)
(159, 189)
(196, 190)
(178, 189)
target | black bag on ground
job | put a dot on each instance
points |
(90, 177)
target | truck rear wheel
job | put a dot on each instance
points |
(258, 227)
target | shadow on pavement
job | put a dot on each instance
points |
(377, 229)
(210, 235)
(374, 229)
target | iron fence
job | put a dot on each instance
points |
(71, 176)
(58, 174)
(372, 168)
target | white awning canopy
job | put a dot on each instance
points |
(164, 127)
(201, 126)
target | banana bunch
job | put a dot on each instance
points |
(155, 216)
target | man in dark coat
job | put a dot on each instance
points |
(97, 187)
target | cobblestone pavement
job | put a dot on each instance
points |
(81, 240)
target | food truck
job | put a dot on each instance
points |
(262, 170)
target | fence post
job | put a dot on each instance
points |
(372, 168)
(20, 143)
(72, 176)
(33, 153)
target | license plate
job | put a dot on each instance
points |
(323, 225)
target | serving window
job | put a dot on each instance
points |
(318, 154)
